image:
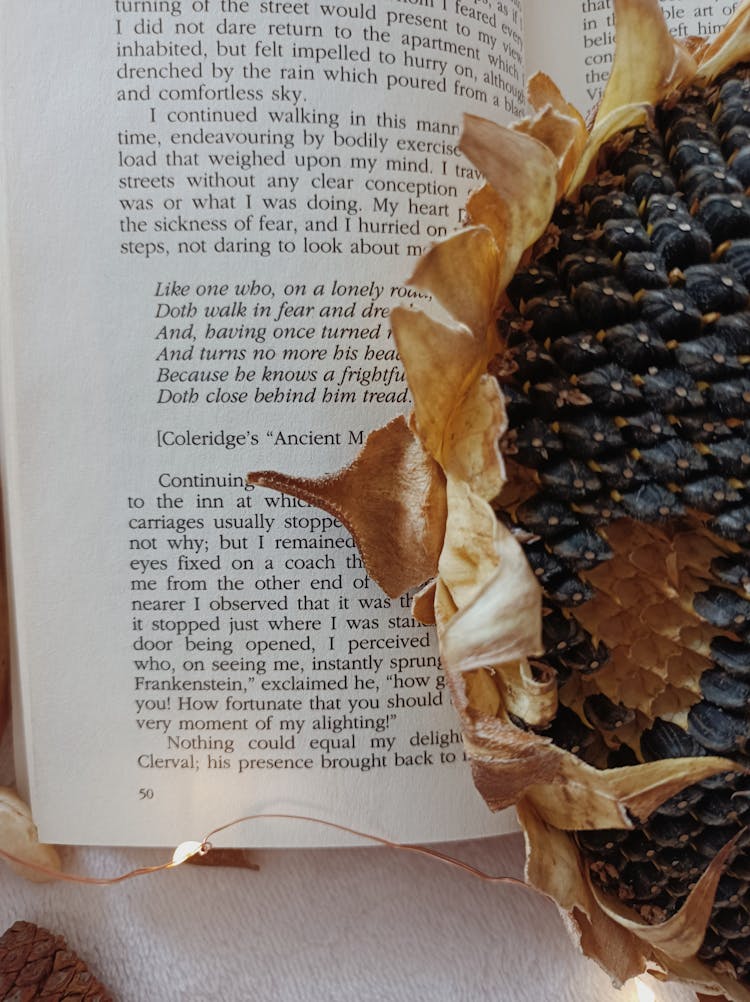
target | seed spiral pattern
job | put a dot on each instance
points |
(627, 385)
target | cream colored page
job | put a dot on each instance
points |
(573, 40)
(212, 207)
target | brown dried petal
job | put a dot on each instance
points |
(557, 124)
(462, 407)
(509, 764)
(542, 91)
(481, 692)
(469, 557)
(523, 173)
(473, 693)
(633, 791)
(391, 499)
(707, 979)
(484, 208)
(423, 604)
(18, 836)
(553, 864)
(238, 859)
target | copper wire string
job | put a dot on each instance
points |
(204, 846)
(75, 878)
(378, 839)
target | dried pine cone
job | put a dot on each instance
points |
(36, 964)
(577, 473)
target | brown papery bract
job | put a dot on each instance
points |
(391, 499)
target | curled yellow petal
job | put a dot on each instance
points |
(557, 124)
(523, 173)
(594, 798)
(682, 934)
(543, 92)
(498, 598)
(18, 836)
(470, 556)
(553, 865)
(503, 621)
(481, 692)
(649, 64)
(712, 981)
(603, 130)
(391, 499)
(528, 691)
(441, 362)
(458, 412)
(461, 272)
(484, 208)
(471, 449)
(731, 46)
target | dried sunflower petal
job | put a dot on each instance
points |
(18, 836)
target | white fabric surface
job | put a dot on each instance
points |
(361, 925)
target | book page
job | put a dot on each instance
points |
(573, 40)
(212, 206)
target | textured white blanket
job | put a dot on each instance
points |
(335, 925)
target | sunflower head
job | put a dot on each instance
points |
(573, 486)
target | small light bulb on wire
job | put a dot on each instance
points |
(186, 851)
(645, 994)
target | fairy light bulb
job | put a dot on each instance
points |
(185, 851)
(645, 994)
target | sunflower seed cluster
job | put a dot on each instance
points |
(629, 398)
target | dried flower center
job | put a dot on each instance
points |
(629, 440)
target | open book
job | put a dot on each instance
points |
(209, 209)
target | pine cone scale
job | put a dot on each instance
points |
(37, 965)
